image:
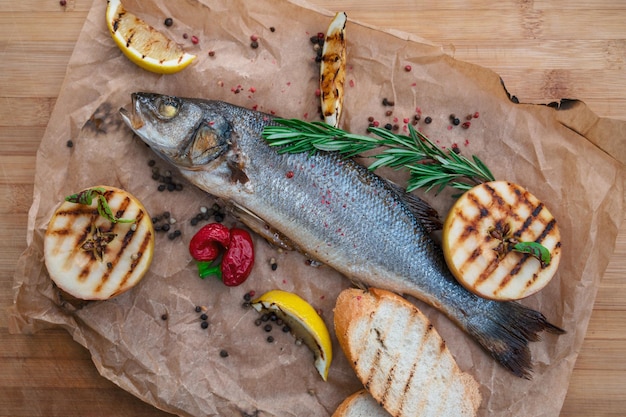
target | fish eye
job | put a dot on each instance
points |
(168, 107)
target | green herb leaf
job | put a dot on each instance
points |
(535, 249)
(86, 197)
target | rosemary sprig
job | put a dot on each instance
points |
(429, 166)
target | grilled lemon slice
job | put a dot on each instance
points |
(479, 234)
(333, 70)
(304, 322)
(143, 44)
(90, 257)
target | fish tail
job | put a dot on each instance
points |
(504, 330)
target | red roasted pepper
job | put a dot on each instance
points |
(204, 244)
(237, 261)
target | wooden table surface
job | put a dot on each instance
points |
(543, 49)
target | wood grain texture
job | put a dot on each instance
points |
(544, 50)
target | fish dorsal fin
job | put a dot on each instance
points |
(423, 211)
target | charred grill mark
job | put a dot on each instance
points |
(546, 231)
(136, 257)
(485, 274)
(388, 384)
(84, 273)
(407, 385)
(380, 338)
(534, 215)
(373, 367)
(122, 209)
(495, 196)
(118, 19)
(514, 271)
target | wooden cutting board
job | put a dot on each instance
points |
(544, 51)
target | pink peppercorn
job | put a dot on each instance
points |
(407, 68)
(466, 125)
(195, 40)
(254, 38)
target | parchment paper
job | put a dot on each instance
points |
(560, 155)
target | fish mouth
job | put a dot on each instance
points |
(132, 118)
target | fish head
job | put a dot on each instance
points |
(186, 132)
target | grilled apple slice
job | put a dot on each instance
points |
(481, 231)
(333, 70)
(95, 253)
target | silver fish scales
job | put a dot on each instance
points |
(332, 209)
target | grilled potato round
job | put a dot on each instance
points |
(479, 234)
(90, 257)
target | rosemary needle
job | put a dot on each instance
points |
(429, 166)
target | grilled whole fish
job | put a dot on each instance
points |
(332, 209)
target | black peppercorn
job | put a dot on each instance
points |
(268, 328)
(204, 324)
(169, 22)
(203, 317)
(428, 120)
(223, 353)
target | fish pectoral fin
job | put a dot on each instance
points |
(360, 285)
(424, 212)
(261, 227)
(237, 173)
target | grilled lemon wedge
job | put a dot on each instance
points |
(143, 44)
(90, 257)
(333, 70)
(479, 234)
(304, 322)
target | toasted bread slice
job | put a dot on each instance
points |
(360, 404)
(400, 358)
(90, 257)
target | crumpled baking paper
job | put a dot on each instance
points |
(565, 155)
